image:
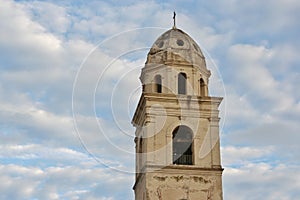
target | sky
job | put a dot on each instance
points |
(69, 85)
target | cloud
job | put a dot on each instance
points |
(254, 20)
(19, 34)
(261, 181)
(38, 122)
(237, 156)
(250, 61)
(45, 155)
(258, 82)
(49, 15)
(262, 109)
(257, 175)
(70, 182)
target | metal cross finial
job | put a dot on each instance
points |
(174, 15)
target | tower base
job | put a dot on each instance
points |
(179, 182)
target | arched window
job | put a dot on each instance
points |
(181, 83)
(202, 87)
(157, 85)
(140, 154)
(182, 146)
(141, 145)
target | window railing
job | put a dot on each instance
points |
(183, 160)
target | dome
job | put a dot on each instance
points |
(179, 46)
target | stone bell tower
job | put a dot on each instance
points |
(177, 124)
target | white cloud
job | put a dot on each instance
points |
(255, 19)
(49, 15)
(71, 182)
(20, 33)
(239, 110)
(38, 153)
(261, 181)
(39, 123)
(13, 186)
(232, 155)
(252, 68)
(249, 64)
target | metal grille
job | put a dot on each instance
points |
(183, 160)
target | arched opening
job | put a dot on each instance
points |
(182, 146)
(202, 87)
(181, 83)
(140, 154)
(157, 87)
(141, 145)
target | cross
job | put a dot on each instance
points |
(174, 15)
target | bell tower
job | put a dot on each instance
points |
(177, 124)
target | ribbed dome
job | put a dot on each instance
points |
(180, 44)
